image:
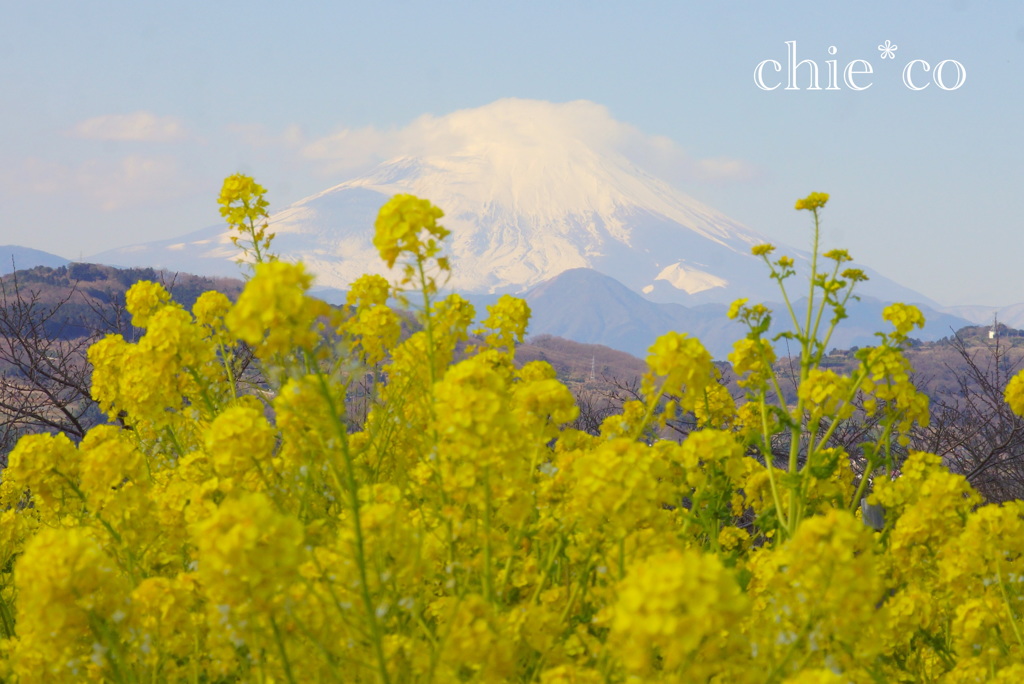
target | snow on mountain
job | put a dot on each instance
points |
(529, 189)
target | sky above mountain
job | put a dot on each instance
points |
(120, 119)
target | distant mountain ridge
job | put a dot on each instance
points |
(579, 304)
(13, 257)
(586, 306)
(1012, 315)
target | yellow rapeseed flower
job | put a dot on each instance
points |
(815, 200)
(408, 224)
(274, 313)
(1014, 394)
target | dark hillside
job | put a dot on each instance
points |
(90, 297)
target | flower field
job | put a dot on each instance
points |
(220, 530)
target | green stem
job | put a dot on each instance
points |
(770, 462)
(352, 486)
(846, 298)
(546, 572)
(813, 334)
(428, 320)
(814, 275)
(1009, 607)
(849, 398)
(229, 368)
(7, 618)
(284, 653)
(251, 229)
(785, 296)
(488, 559)
(652, 404)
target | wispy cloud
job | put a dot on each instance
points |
(130, 181)
(136, 127)
(106, 184)
(521, 122)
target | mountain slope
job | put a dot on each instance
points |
(14, 258)
(529, 190)
(586, 306)
(1012, 315)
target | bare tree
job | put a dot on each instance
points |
(44, 372)
(594, 406)
(972, 427)
(46, 329)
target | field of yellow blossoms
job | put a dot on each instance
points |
(223, 530)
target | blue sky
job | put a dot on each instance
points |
(120, 119)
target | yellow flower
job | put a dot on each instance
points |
(239, 437)
(239, 188)
(143, 299)
(733, 537)
(904, 317)
(106, 357)
(48, 466)
(717, 408)
(816, 676)
(570, 674)
(1015, 394)
(452, 317)
(247, 552)
(683, 363)
(401, 223)
(546, 399)
(735, 307)
(111, 466)
(437, 520)
(673, 603)
(855, 275)
(244, 208)
(473, 641)
(210, 309)
(813, 201)
(68, 589)
(824, 582)
(377, 330)
(839, 255)
(162, 614)
(826, 393)
(508, 319)
(367, 291)
(754, 357)
(156, 379)
(274, 313)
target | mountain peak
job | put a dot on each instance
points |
(529, 189)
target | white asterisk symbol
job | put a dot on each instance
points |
(888, 50)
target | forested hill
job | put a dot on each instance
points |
(89, 298)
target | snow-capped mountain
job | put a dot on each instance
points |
(528, 192)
